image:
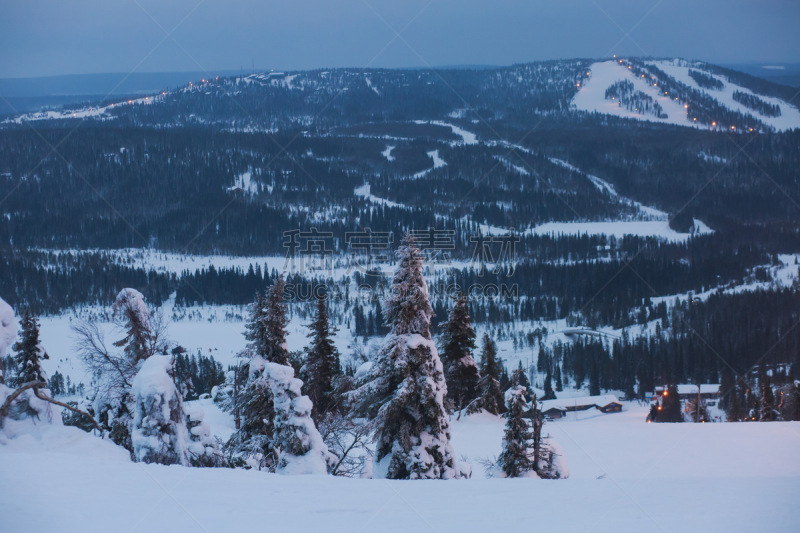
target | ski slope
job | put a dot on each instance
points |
(790, 114)
(591, 95)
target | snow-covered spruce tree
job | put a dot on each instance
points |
(670, 406)
(252, 442)
(273, 348)
(296, 444)
(114, 367)
(460, 370)
(516, 459)
(8, 330)
(203, 448)
(322, 366)
(158, 429)
(405, 392)
(130, 308)
(29, 352)
(491, 369)
(267, 335)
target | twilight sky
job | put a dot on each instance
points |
(49, 37)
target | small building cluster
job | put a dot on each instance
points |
(607, 403)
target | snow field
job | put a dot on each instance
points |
(591, 95)
(626, 475)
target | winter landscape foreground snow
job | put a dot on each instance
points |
(625, 475)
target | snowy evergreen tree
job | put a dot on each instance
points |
(752, 411)
(130, 308)
(158, 429)
(460, 370)
(594, 379)
(252, 442)
(405, 391)
(791, 402)
(29, 352)
(491, 370)
(266, 333)
(274, 321)
(322, 366)
(113, 369)
(516, 459)
(549, 393)
(8, 330)
(699, 410)
(767, 413)
(560, 384)
(255, 330)
(735, 411)
(203, 448)
(670, 406)
(297, 444)
(519, 377)
(727, 386)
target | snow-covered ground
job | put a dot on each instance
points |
(364, 192)
(790, 114)
(591, 95)
(438, 162)
(244, 182)
(467, 137)
(84, 112)
(388, 152)
(625, 475)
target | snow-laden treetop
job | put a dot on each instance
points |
(8, 327)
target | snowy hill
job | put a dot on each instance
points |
(670, 92)
(625, 476)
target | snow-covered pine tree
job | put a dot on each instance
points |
(266, 331)
(255, 332)
(114, 370)
(274, 321)
(727, 386)
(322, 365)
(491, 369)
(297, 445)
(8, 331)
(735, 411)
(460, 370)
(29, 352)
(405, 391)
(516, 459)
(158, 429)
(252, 442)
(203, 447)
(130, 308)
(670, 406)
